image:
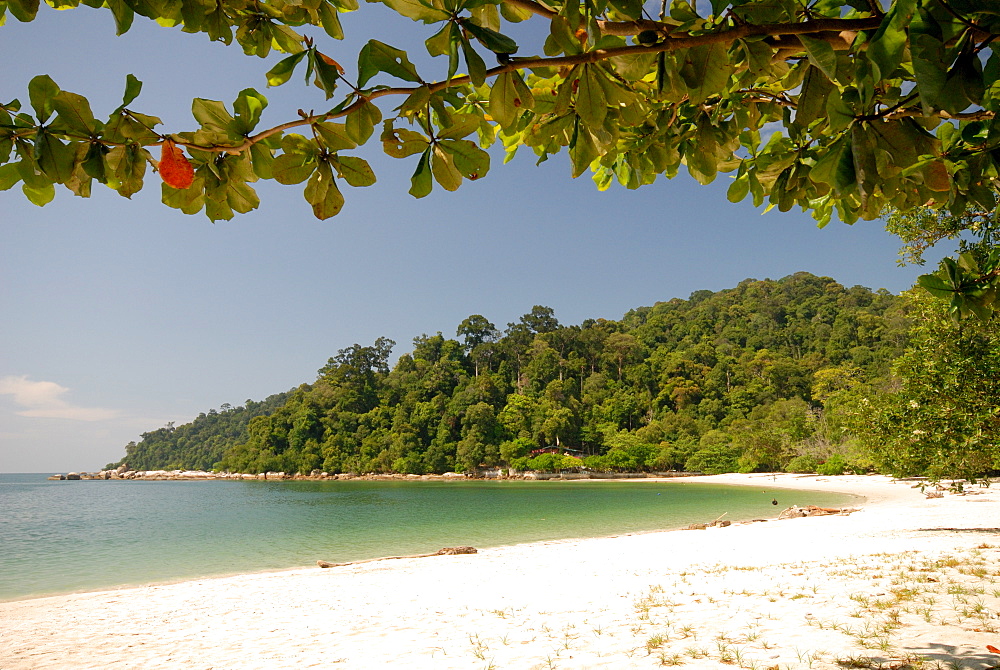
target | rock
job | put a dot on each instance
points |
(57, 478)
(698, 526)
(73, 475)
(721, 524)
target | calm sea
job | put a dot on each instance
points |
(64, 536)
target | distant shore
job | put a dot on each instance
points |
(906, 581)
(204, 475)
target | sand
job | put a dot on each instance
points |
(906, 581)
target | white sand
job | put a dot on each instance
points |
(904, 580)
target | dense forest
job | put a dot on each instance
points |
(200, 444)
(746, 379)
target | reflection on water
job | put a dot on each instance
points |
(65, 536)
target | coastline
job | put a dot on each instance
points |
(777, 593)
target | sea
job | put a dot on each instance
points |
(68, 536)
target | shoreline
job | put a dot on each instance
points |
(776, 593)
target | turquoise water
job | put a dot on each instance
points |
(64, 536)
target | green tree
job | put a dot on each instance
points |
(939, 416)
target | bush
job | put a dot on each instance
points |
(715, 459)
(803, 464)
(835, 465)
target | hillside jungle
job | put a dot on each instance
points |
(760, 377)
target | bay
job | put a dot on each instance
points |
(67, 536)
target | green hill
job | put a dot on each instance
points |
(737, 379)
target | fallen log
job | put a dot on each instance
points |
(446, 551)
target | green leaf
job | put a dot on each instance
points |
(865, 167)
(582, 149)
(322, 193)
(293, 168)
(936, 286)
(249, 105)
(132, 89)
(127, 165)
(377, 57)
(416, 102)
(94, 162)
(738, 189)
(297, 162)
(591, 103)
(212, 115)
(929, 68)
(9, 175)
(39, 195)
(189, 200)
(330, 19)
(355, 171)
(421, 182)
(334, 136)
(471, 161)
(123, 15)
(24, 11)
(360, 124)
(835, 166)
(812, 99)
(705, 70)
(41, 91)
(822, 55)
(439, 43)
(400, 142)
(474, 62)
(634, 66)
(418, 11)
(55, 159)
(283, 69)
(444, 170)
(462, 125)
(504, 102)
(486, 16)
(74, 113)
(885, 49)
(491, 39)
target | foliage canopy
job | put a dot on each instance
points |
(876, 104)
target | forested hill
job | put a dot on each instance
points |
(738, 379)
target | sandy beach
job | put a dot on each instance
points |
(904, 582)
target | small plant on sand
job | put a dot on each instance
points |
(479, 648)
(696, 652)
(655, 642)
(688, 631)
(673, 659)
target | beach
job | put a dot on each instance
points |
(905, 581)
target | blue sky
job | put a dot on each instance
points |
(121, 315)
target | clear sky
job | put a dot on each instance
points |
(121, 315)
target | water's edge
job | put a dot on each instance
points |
(117, 534)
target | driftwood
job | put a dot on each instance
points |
(446, 551)
(813, 510)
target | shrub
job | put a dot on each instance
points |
(802, 464)
(835, 465)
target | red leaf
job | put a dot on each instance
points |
(993, 649)
(331, 62)
(175, 170)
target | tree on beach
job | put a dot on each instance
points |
(938, 414)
